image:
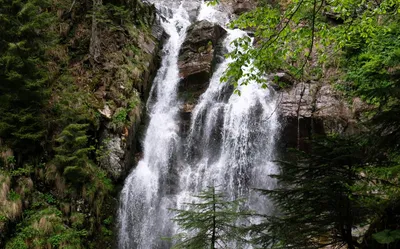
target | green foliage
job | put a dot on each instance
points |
(72, 159)
(121, 116)
(3, 218)
(373, 66)
(108, 221)
(77, 220)
(386, 236)
(314, 202)
(72, 153)
(17, 243)
(46, 227)
(117, 14)
(13, 196)
(11, 160)
(24, 36)
(47, 105)
(74, 104)
(209, 222)
(50, 199)
(299, 36)
(307, 38)
(106, 232)
(26, 170)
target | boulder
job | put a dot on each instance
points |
(197, 55)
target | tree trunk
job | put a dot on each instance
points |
(95, 49)
(213, 237)
(349, 215)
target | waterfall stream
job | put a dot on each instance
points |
(230, 143)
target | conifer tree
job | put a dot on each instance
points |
(315, 205)
(23, 40)
(72, 153)
(209, 223)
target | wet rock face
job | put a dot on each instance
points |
(119, 145)
(197, 55)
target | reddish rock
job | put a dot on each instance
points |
(197, 55)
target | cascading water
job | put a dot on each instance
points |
(230, 144)
(144, 199)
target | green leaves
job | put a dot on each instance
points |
(387, 236)
(45, 227)
(299, 37)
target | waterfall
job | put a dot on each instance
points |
(143, 214)
(230, 143)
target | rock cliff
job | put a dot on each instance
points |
(119, 139)
(197, 59)
(197, 55)
(313, 108)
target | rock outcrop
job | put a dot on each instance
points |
(120, 134)
(313, 108)
(196, 59)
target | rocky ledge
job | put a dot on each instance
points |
(314, 108)
(197, 58)
(197, 55)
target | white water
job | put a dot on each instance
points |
(230, 143)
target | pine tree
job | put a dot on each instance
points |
(209, 223)
(315, 204)
(23, 40)
(72, 153)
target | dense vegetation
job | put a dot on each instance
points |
(53, 55)
(343, 190)
(56, 55)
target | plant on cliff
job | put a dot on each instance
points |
(49, 114)
(72, 153)
(372, 69)
(72, 159)
(208, 223)
(46, 229)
